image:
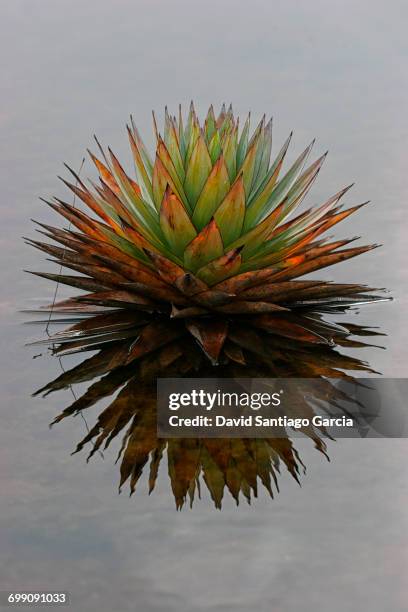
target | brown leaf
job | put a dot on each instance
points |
(168, 270)
(211, 336)
(242, 281)
(288, 329)
(276, 291)
(243, 307)
(151, 338)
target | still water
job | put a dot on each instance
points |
(71, 69)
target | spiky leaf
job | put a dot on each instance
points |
(213, 193)
(175, 223)
(207, 245)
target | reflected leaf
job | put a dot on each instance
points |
(280, 345)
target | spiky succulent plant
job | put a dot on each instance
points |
(204, 237)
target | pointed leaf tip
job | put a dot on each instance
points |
(214, 191)
(231, 212)
(207, 245)
(175, 223)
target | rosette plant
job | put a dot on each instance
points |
(205, 241)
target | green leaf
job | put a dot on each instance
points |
(221, 268)
(266, 157)
(173, 149)
(193, 131)
(207, 245)
(300, 187)
(127, 247)
(243, 143)
(250, 240)
(190, 123)
(301, 226)
(248, 167)
(261, 201)
(230, 153)
(214, 148)
(259, 153)
(142, 148)
(167, 161)
(273, 170)
(210, 125)
(221, 116)
(175, 223)
(231, 212)
(167, 123)
(141, 172)
(225, 122)
(257, 211)
(161, 178)
(144, 213)
(214, 191)
(181, 137)
(198, 170)
(296, 194)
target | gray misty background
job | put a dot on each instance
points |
(335, 70)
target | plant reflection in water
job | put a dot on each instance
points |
(306, 345)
